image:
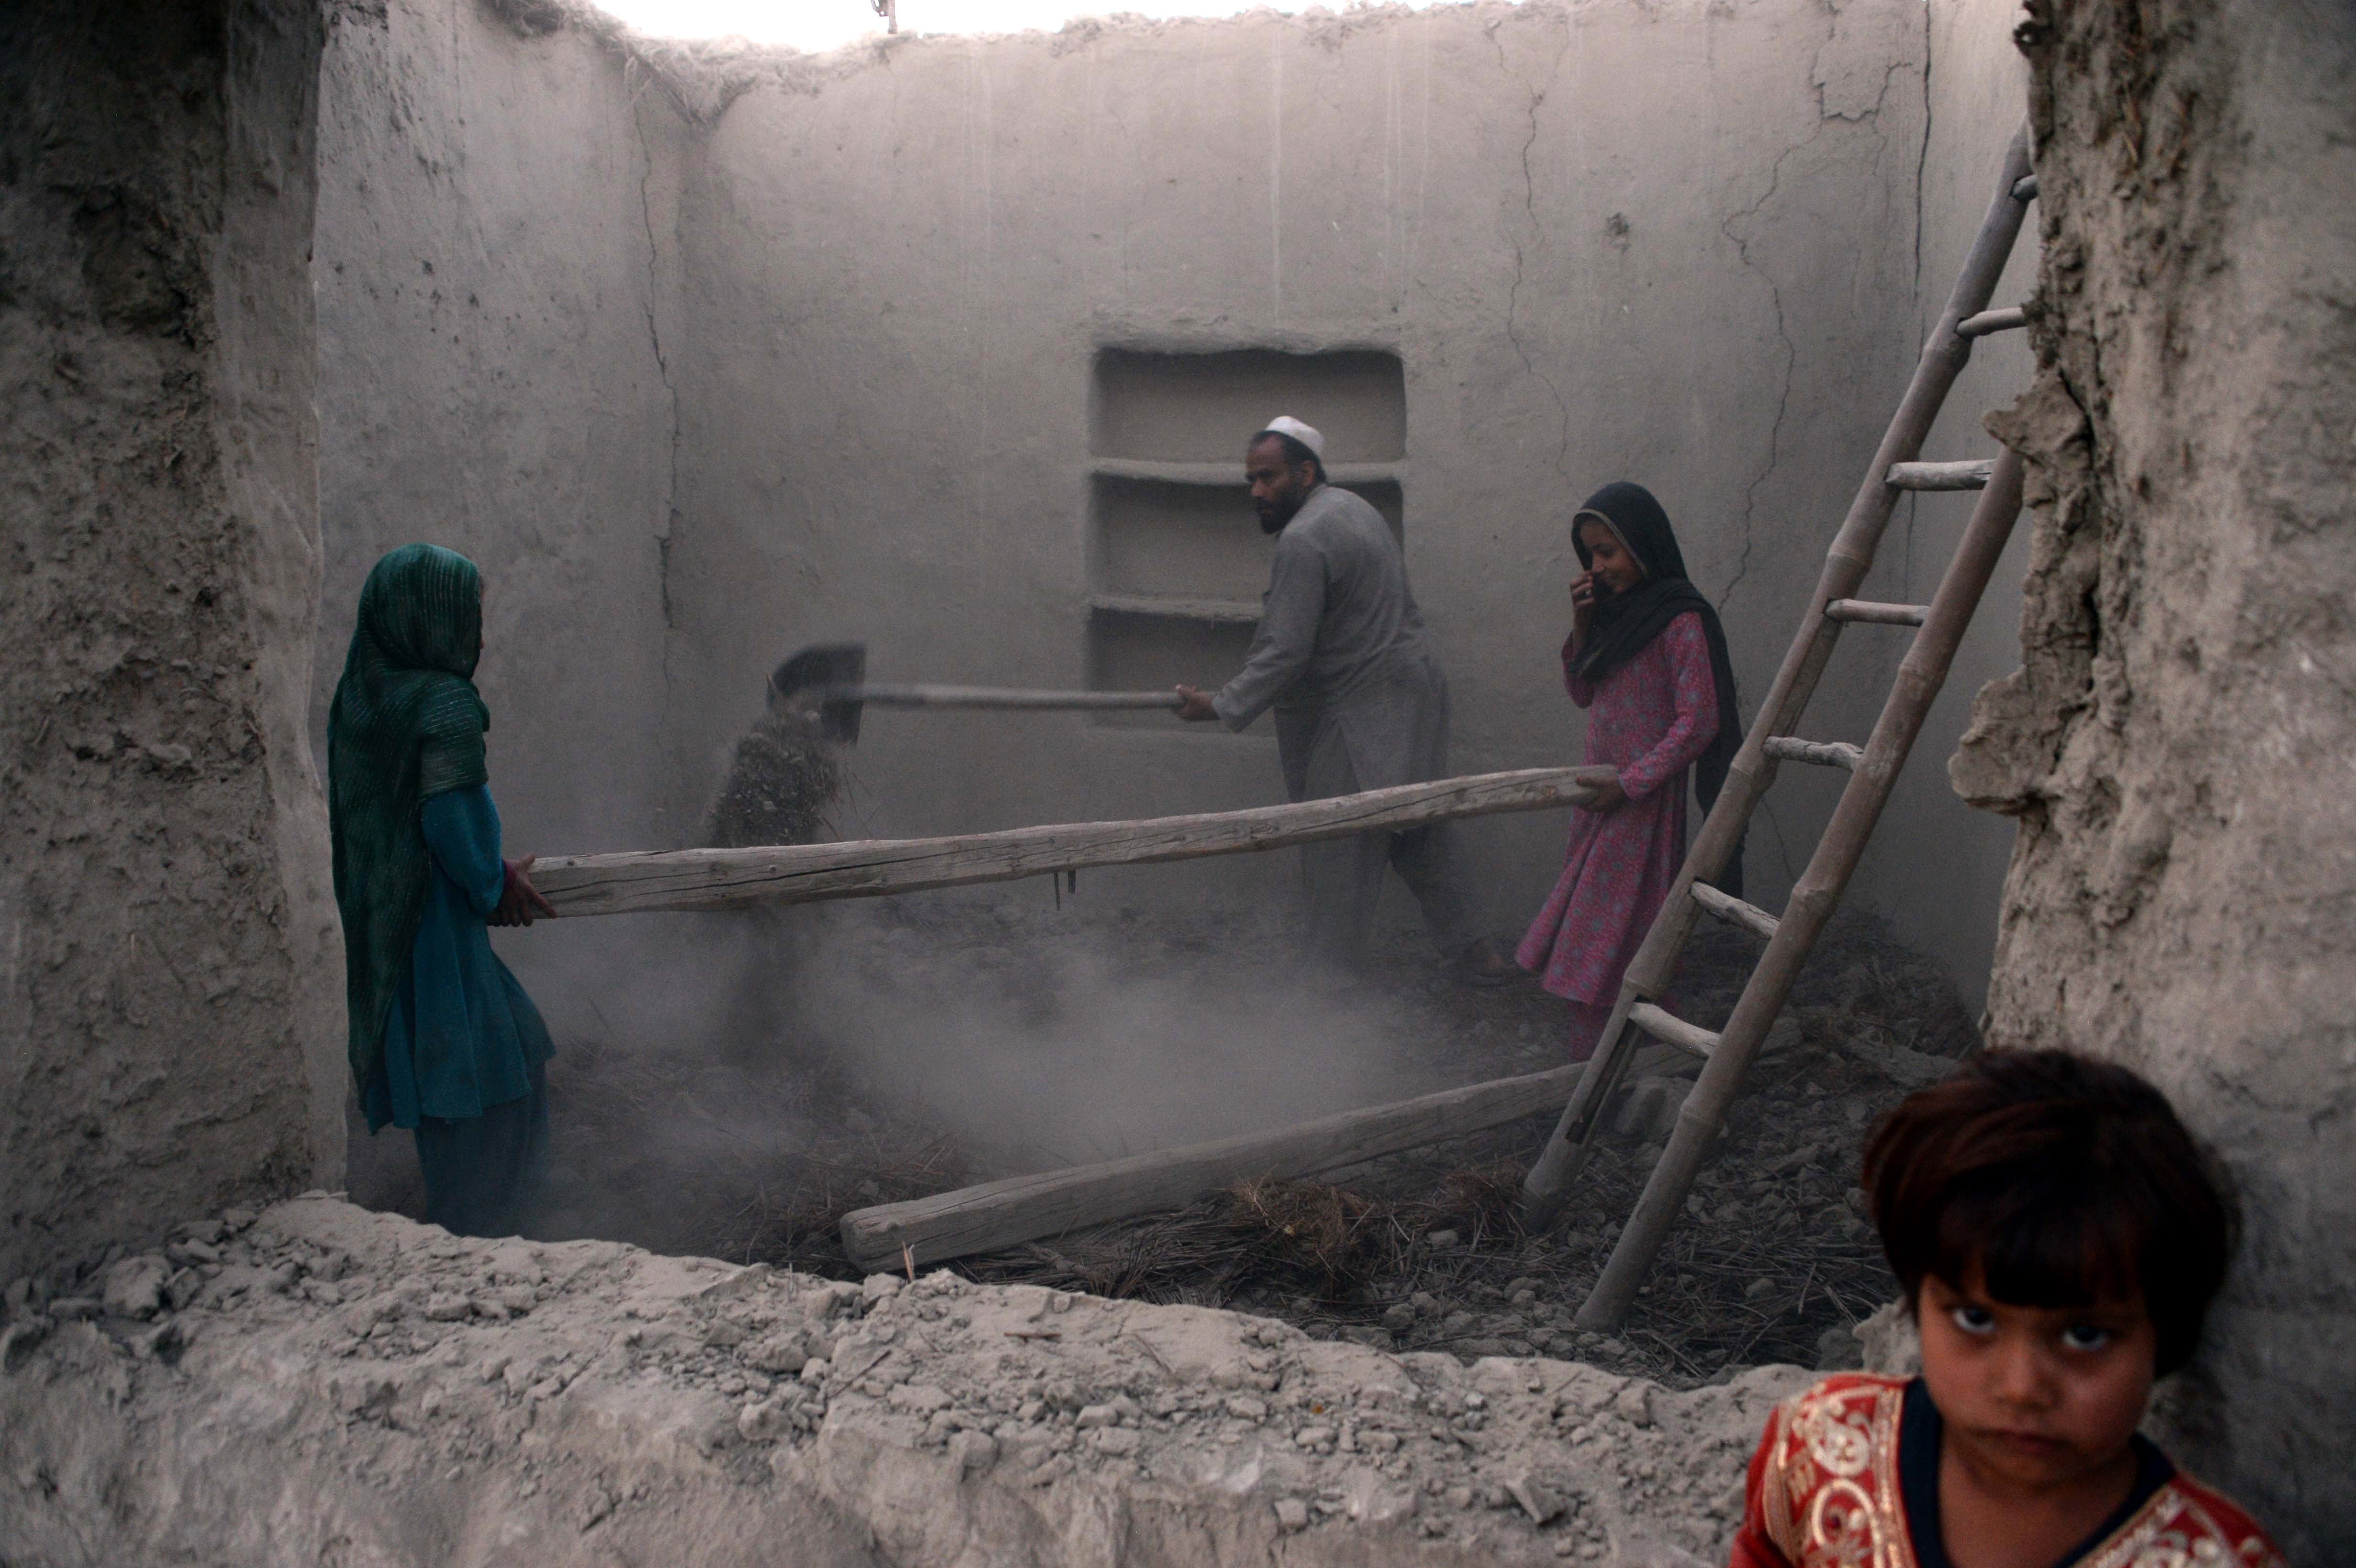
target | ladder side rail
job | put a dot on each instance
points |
(1547, 1185)
(1919, 676)
(1847, 561)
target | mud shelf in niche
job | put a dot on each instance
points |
(1177, 561)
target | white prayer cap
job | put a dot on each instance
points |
(1285, 424)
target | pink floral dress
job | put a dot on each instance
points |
(1650, 718)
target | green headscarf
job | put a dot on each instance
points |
(406, 724)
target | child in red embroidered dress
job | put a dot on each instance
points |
(2058, 1237)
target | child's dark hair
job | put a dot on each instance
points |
(2062, 1181)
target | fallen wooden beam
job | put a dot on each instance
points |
(1025, 1208)
(644, 881)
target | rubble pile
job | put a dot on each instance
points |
(326, 1384)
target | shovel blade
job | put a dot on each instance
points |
(815, 668)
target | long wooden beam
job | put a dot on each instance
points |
(644, 881)
(1025, 1208)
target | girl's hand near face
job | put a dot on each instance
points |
(1582, 607)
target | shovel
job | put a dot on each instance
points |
(831, 678)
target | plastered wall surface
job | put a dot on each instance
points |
(2178, 747)
(1676, 244)
(170, 974)
(501, 346)
(496, 268)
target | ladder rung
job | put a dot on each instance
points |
(1824, 753)
(1733, 911)
(1878, 614)
(2024, 188)
(2009, 319)
(1670, 1029)
(1971, 475)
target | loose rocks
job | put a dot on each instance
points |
(671, 1409)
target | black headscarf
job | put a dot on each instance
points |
(1624, 624)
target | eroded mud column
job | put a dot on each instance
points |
(170, 1009)
(2178, 745)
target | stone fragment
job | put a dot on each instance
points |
(974, 1453)
(1116, 1441)
(1399, 1316)
(182, 1288)
(1291, 1515)
(1243, 1407)
(920, 1398)
(448, 1306)
(1441, 1238)
(783, 1351)
(761, 1421)
(1635, 1404)
(1538, 1499)
(237, 1220)
(879, 1288)
(73, 1309)
(518, 1300)
(362, 1395)
(163, 1341)
(1837, 1349)
(135, 1287)
(1315, 1437)
(1096, 1415)
(20, 1340)
(192, 1252)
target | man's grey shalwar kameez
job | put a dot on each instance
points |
(1360, 703)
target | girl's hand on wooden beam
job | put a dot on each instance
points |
(520, 903)
(1609, 797)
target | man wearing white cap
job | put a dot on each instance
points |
(1361, 702)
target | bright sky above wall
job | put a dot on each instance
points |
(827, 24)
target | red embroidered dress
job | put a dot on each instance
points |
(1824, 1491)
(1651, 718)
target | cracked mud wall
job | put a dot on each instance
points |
(500, 347)
(2177, 748)
(1675, 243)
(170, 976)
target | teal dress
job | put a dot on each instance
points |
(464, 1048)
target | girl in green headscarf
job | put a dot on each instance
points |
(442, 1039)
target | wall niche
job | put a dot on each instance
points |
(1176, 559)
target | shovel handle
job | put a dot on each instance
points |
(877, 696)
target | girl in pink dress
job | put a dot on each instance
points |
(1647, 659)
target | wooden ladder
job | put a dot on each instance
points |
(1727, 1054)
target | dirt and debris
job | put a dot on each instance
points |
(756, 1158)
(332, 1374)
(781, 786)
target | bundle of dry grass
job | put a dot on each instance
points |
(782, 781)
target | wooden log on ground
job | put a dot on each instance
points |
(1026, 1207)
(642, 882)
